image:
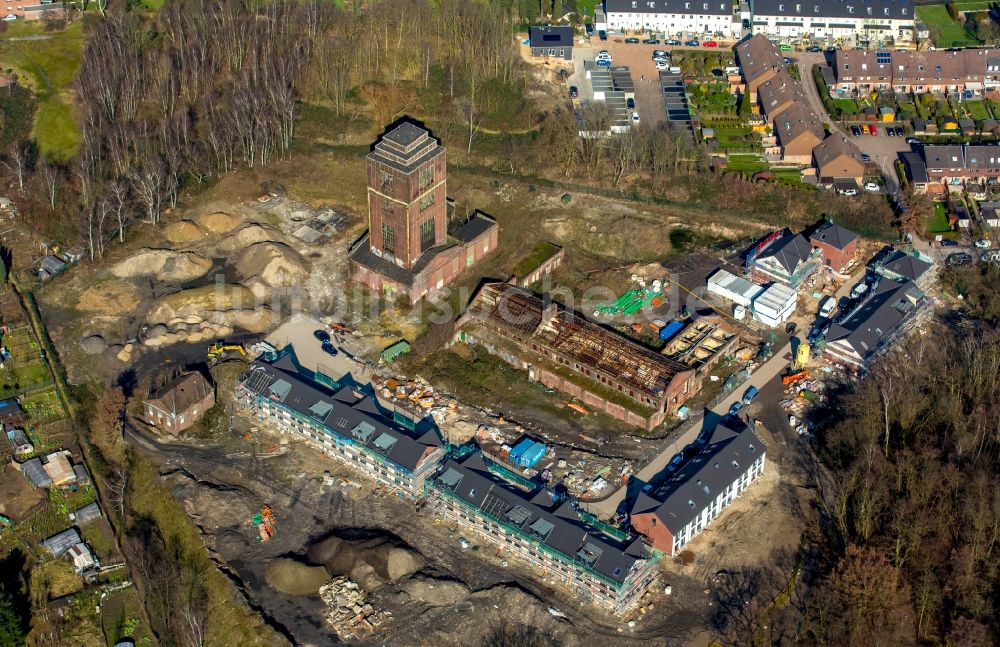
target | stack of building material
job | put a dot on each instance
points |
(347, 611)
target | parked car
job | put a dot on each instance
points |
(871, 186)
(632, 41)
(865, 157)
(890, 131)
(692, 43)
(913, 140)
(787, 61)
(662, 65)
(603, 35)
(958, 258)
(899, 131)
(574, 92)
(673, 43)
(651, 41)
(676, 461)
(990, 256)
(322, 335)
(791, 327)
(589, 27)
(710, 43)
(983, 244)
(630, 103)
(329, 349)
(750, 394)
(814, 49)
(859, 289)
(659, 53)
(847, 192)
(635, 117)
(785, 47)
(872, 130)
(855, 131)
(948, 242)
(827, 306)
(735, 409)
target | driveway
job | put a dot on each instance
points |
(882, 149)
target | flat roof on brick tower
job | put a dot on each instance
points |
(406, 147)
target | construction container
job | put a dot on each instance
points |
(671, 329)
(802, 355)
(527, 453)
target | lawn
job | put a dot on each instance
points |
(50, 62)
(937, 223)
(542, 252)
(738, 138)
(945, 31)
(746, 163)
(846, 106)
(976, 109)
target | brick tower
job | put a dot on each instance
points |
(407, 207)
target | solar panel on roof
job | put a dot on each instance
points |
(883, 57)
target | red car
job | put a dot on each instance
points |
(710, 43)
(874, 130)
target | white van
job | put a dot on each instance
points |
(827, 306)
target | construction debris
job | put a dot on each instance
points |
(347, 611)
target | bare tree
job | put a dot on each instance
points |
(17, 163)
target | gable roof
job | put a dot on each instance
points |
(833, 235)
(836, 156)
(362, 420)
(818, 9)
(182, 393)
(549, 36)
(867, 328)
(898, 264)
(778, 93)
(698, 7)
(561, 528)
(726, 455)
(798, 121)
(59, 543)
(758, 57)
(788, 249)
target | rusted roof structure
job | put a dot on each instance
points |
(524, 314)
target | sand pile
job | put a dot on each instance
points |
(205, 313)
(247, 235)
(218, 222)
(271, 264)
(370, 562)
(183, 231)
(94, 345)
(110, 297)
(163, 265)
(295, 578)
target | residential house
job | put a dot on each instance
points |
(837, 157)
(897, 265)
(990, 214)
(799, 131)
(859, 20)
(350, 425)
(759, 60)
(83, 558)
(678, 510)
(180, 403)
(673, 17)
(783, 257)
(958, 164)
(551, 42)
(564, 351)
(838, 246)
(942, 71)
(863, 333)
(779, 93)
(544, 531)
(916, 171)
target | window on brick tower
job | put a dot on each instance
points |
(426, 234)
(426, 177)
(386, 182)
(427, 202)
(388, 238)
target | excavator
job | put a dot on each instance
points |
(221, 351)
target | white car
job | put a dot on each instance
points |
(858, 290)
(662, 65)
(659, 53)
(848, 191)
(635, 117)
(9, 18)
(983, 244)
(603, 55)
(871, 186)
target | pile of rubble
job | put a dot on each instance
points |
(347, 611)
(416, 395)
(797, 401)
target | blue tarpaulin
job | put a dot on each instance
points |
(527, 453)
(670, 330)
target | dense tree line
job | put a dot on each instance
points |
(913, 521)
